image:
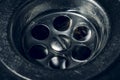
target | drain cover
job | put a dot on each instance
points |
(60, 38)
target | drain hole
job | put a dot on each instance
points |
(80, 33)
(58, 63)
(62, 23)
(40, 32)
(81, 52)
(38, 52)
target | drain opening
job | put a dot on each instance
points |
(38, 52)
(40, 32)
(80, 33)
(62, 23)
(81, 52)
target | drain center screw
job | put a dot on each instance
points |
(60, 43)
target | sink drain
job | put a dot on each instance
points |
(59, 38)
(61, 33)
